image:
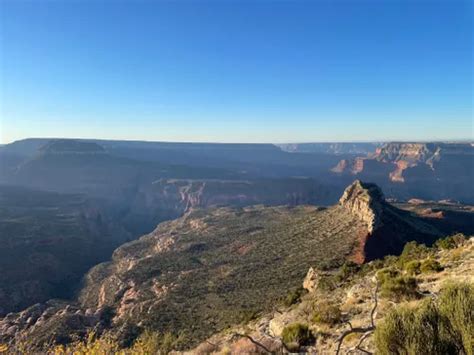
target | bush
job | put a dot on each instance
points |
(327, 283)
(430, 265)
(407, 330)
(387, 273)
(92, 344)
(327, 314)
(296, 335)
(412, 267)
(426, 266)
(156, 343)
(390, 260)
(445, 326)
(346, 271)
(294, 296)
(451, 242)
(395, 286)
(147, 343)
(376, 264)
(413, 251)
(456, 305)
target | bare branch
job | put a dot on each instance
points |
(349, 324)
(353, 330)
(376, 300)
(362, 338)
(283, 345)
(258, 344)
(366, 330)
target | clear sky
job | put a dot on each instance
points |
(237, 71)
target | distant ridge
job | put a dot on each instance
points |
(68, 146)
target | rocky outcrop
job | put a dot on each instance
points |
(55, 320)
(311, 281)
(387, 228)
(365, 201)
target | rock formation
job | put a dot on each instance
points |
(365, 201)
(433, 171)
(310, 282)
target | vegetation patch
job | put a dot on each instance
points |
(326, 313)
(413, 251)
(430, 265)
(294, 296)
(147, 343)
(395, 286)
(413, 267)
(451, 242)
(296, 335)
(441, 326)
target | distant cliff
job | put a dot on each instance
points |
(422, 170)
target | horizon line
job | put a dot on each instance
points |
(375, 141)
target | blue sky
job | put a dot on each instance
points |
(237, 71)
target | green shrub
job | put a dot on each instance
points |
(327, 283)
(456, 305)
(326, 313)
(407, 330)
(412, 267)
(444, 326)
(294, 296)
(376, 264)
(147, 343)
(327, 265)
(451, 242)
(395, 286)
(346, 271)
(296, 335)
(430, 265)
(387, 273)
(156, 343)
(390, 260)
(413, 251)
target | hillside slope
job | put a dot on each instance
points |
(214, 268)
(359, 300)
(47, 242)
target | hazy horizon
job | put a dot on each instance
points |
(465, 141)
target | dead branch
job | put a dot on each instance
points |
(369, 329)
(365, 330)
(362, 338)
(283, 345)
(376, 301)
(253, 341)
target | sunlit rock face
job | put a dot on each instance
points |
(430, 171)
(365, 201)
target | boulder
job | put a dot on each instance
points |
(311, 280)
